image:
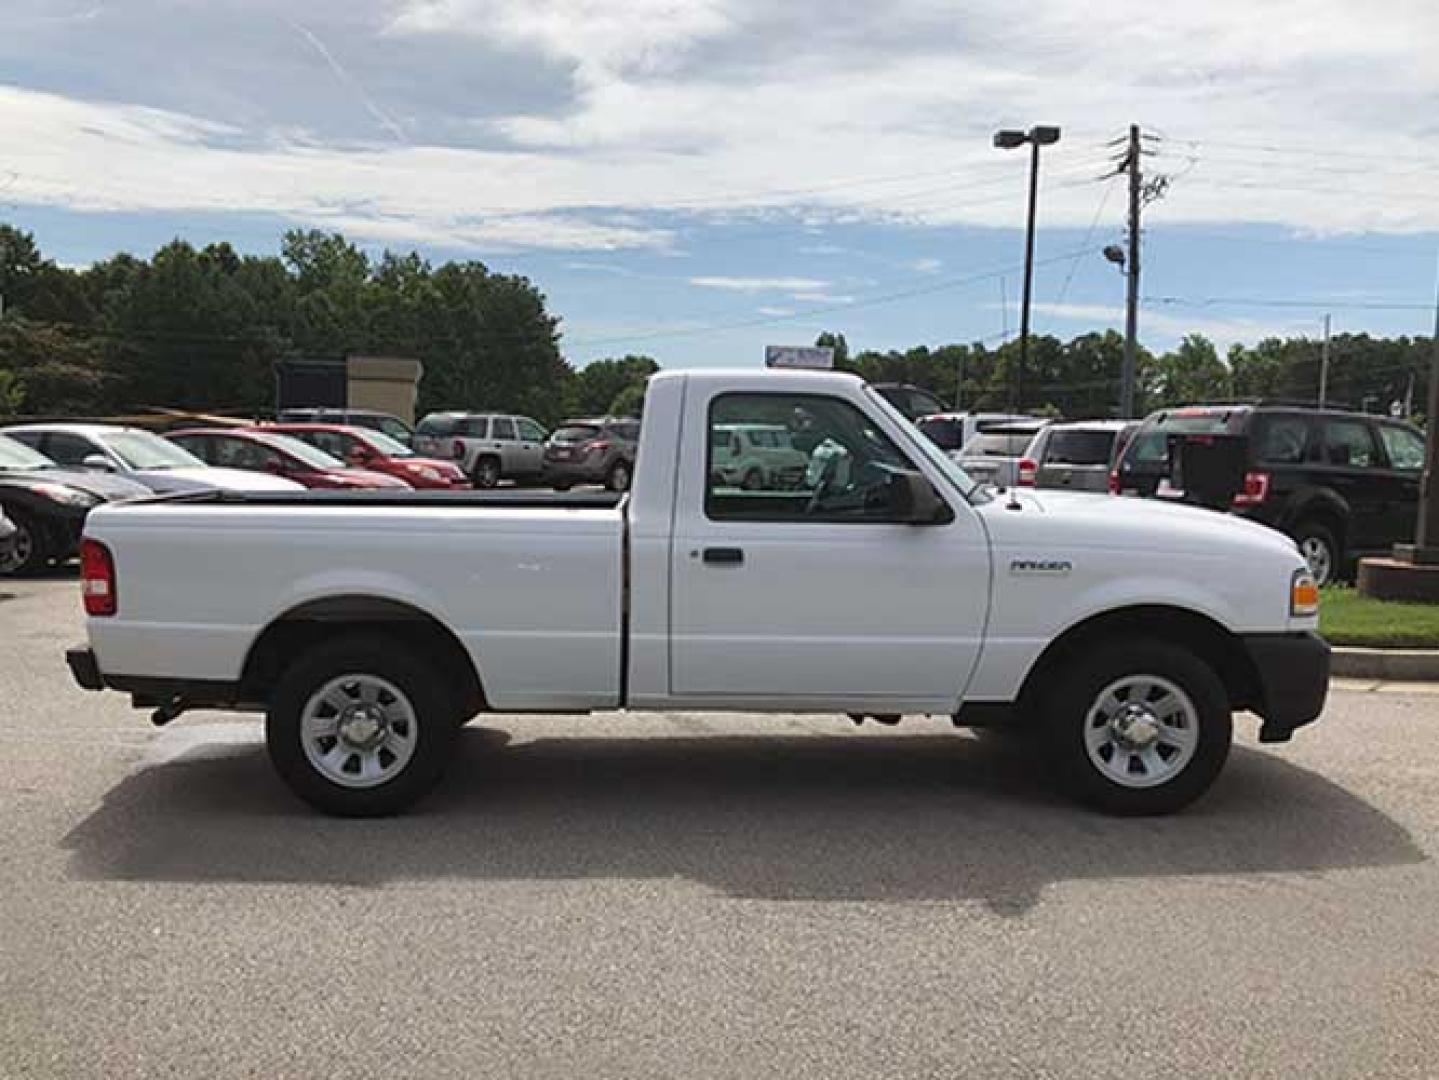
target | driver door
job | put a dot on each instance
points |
(818, 597)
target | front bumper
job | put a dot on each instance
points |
(1293, 676)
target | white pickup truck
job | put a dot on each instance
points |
(370, 626)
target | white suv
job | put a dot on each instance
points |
(756, 457)
(490, 447)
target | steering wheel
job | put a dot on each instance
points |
(827, 474)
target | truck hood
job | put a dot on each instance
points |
(1084, 519)
(205, 478)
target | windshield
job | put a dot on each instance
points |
(315, 459)
(142, 450)
(16, 455)
(1151, 443)
(1079, 447)
(576, 433)
(941, 461)
(386, 445)
(1011, 444)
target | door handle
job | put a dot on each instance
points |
(724, 556)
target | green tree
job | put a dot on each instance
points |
(599, 384)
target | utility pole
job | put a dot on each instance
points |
(1131, 269)
(1426, 539)
(1324, 366)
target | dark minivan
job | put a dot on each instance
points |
(1342, 484)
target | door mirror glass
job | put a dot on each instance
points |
(98, 462)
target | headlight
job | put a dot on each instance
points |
(66, 496)
(1303, 594)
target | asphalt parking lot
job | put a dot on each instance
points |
(685, 896)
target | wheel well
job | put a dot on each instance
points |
(302, 628)
(1218, 647)
(1323, 514)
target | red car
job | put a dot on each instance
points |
(260, 451)
(376, 451)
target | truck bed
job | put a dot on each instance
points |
(512, 499)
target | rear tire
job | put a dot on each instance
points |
(1138, 727)
(1321, 551)
(360, 727)
(487, 473)
(29, 550)
(619, 477)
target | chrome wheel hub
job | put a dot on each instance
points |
(359, 731)
(1141, 731)
(362, 727)
(1135, 727)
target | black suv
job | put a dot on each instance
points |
(1342, 484)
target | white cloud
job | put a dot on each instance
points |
(776, 312)
(794, 285)
(598, 36)
(1311, 114)
(927, 266)
(1158, 324)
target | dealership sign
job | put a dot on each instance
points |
(798, 356)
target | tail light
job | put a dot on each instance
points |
(97, 578)
(1114, 488)
(457, 451)
(1256, 489)
(1028, 470)
(598, 447)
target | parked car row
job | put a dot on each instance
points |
(1342, 485)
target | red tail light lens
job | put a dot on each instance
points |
(1028, 470)
(97, 578)
(1256, 489)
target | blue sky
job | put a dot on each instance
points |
(696, 179)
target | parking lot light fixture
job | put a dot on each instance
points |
(1010, 139)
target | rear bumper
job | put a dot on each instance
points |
(1293, 673)
(84, 668)
(582, 471)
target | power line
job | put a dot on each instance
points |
(1250, 301)
(864, 302)
(1088, 236)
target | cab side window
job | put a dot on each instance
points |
(503, 429)
(531, 431)
(820, 459)
(65, 449)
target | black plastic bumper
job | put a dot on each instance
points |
(1293, 672)
(84, 668)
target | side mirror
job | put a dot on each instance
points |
(358, 456)
(98, 463)
(916, 502)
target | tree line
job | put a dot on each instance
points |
(202, 328)
(1079, 378)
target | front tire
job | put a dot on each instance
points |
(1138, 727)
(1321, 551)
(29, 550)
(360, 727)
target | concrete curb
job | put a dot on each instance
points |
(1406, 665)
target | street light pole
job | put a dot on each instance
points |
(1036, 137)
(1028, 278)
